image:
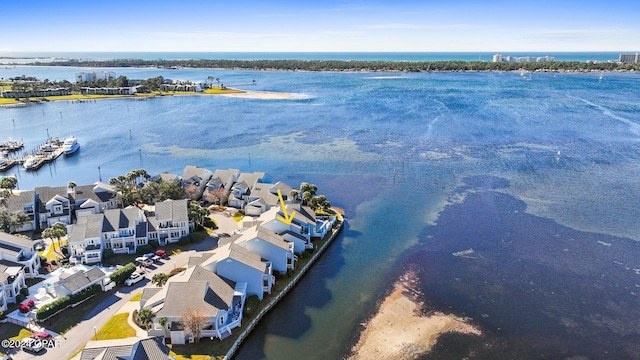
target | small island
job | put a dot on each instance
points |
(236, 242)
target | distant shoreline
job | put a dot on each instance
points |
(349, 65)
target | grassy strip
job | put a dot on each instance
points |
(116, 328)
(136, 297)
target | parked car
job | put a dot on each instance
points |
(163, 254)
(41, 335)
(31, 345)
(134, 278)
(143, 260)
(148, 255)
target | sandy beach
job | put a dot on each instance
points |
(400, 331)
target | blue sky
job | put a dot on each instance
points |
(325, 25)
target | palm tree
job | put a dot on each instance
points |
(293, 194)
(163, 322)
(159, 279)
(145, 317)
(71, 185)
(306, 197)
(57, 231)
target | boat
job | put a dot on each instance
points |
(70, 145)
(30, 162)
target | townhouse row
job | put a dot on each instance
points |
(242, 265)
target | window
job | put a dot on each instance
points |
(142, 242)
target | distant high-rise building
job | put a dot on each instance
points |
(630, 58)
(500, 58)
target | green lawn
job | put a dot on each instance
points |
(116, 328)
(136, 297)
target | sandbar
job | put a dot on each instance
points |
(400, 331)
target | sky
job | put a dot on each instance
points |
(319, 26)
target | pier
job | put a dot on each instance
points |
(45, 153)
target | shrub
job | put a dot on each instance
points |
(143, 249)
(122, 274)
(43, 260)
(251, 304)
(208, 222)
(19, 298)
(176, 271)
(24, 291)
(107, 254)
(305, 254)
(289, 272)
(154, 244)
(184, 240)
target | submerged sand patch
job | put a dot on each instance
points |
(266, 95)
(400, 331)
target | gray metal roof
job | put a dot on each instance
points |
(81, 279)
(175, 210)
(17, 202)
(151, 349)
(17, 243)
(247, 257)
(201, 296)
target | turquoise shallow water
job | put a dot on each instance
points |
(393, 150)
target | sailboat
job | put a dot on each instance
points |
(600, 78)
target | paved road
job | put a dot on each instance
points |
(76, 338)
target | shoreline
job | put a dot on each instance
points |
(399, 330)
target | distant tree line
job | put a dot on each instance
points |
(354, 65)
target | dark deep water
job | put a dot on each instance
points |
(539, 290)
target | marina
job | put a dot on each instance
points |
(45, 153)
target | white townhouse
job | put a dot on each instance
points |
(239, 264)
(196, 178)
(92, 199)
(169, 222)
(18, 260)
(123, 230)
(270, 246)
(220, 300)
(292, 233)
(53, 205)
(241, 189)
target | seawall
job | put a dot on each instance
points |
(316, 254)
